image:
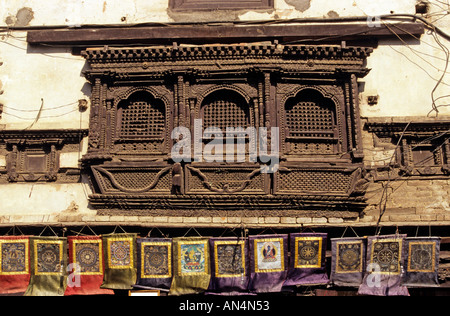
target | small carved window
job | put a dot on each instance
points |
(141, 116)
(224, 109)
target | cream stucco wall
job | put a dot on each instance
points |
(404, 72)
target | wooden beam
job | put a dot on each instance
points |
(195, 34)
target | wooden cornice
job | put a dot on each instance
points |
(223, 33)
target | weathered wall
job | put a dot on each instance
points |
(404, 71)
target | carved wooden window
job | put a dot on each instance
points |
(141, 116)
(310, 122)
(219, 4)
(423, 147)
(224, 109)
(35, 155)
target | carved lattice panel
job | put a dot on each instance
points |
(141, 180)
(223, 111)
(297, 180)
(309, 119)
(141, 119)
(225, 180)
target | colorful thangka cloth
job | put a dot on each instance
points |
(307, 264)
(119, 253)
(384, 267)
(229, 268)
(14, 264)
(268, 262)
(348, 261)
(421, 261)
(48, 266)
(154, 268)
(85, 266)
(191, 273)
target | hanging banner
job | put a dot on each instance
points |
(48, 266)
(307, 264)
(384, 267)
(268, 262)
(348, 261)
(14, 264)
(85, 266)
(154, 263)
(229, 268)
(119, 253)
(421, 264)
(191, 273)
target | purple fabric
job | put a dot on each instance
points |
(154, 263)
(421, 261)
(307, 264)
(348, 257)
(384, 267)
(268, 262)
(229, 266)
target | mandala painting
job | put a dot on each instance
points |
(88, 257)
(14, 257)
(387, 255)
(421, 257)
(120, 253)
(308, 252)
(49, 257)
(349, 257)
(156, 259)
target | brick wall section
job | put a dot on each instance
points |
(410, 201)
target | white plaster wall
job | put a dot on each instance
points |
(402, 75)
(43, 199)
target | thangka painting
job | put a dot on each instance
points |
(384, 267)
(154, 263)
(229, 265)
(348, 261)
(192, 268)
(85, 266)
(15, 265)
(307, 264)
(48, 266)
(421, 261)
(120, 261)
(268, 262)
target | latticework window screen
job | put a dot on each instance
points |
(143, 119)
(309, 119)
(221, 111)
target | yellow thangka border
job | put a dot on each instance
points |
(319, 252)
(397, 240)
(241, 243)
(169, 258)
(61, 247)
(432, 258)
(194, 242)
(338, 269)
(100, 256)
(256, 241)
(129, 240)
(11, 241)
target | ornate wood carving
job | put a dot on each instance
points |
(34, 155)
(140, 94)
(422, 150)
